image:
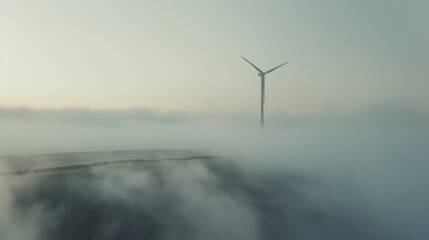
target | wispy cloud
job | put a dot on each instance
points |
(145, 115)
(75, 129)
(89, 116)
(370, 171)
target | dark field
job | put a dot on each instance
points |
(161, 194)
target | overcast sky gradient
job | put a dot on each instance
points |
(185, 55)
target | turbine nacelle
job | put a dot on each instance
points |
(261, 74)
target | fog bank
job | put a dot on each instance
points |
(361, 176)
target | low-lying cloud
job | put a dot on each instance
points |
(357, 176)
(86, 116)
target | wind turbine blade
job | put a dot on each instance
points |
(274, 68)
(259, 70)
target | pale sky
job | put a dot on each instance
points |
(185, 55)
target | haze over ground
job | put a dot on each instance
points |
(356, 178)
(349, 113)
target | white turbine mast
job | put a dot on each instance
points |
(262, 75)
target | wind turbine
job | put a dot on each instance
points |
(262, 75)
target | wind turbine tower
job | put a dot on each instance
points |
(262, 75)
